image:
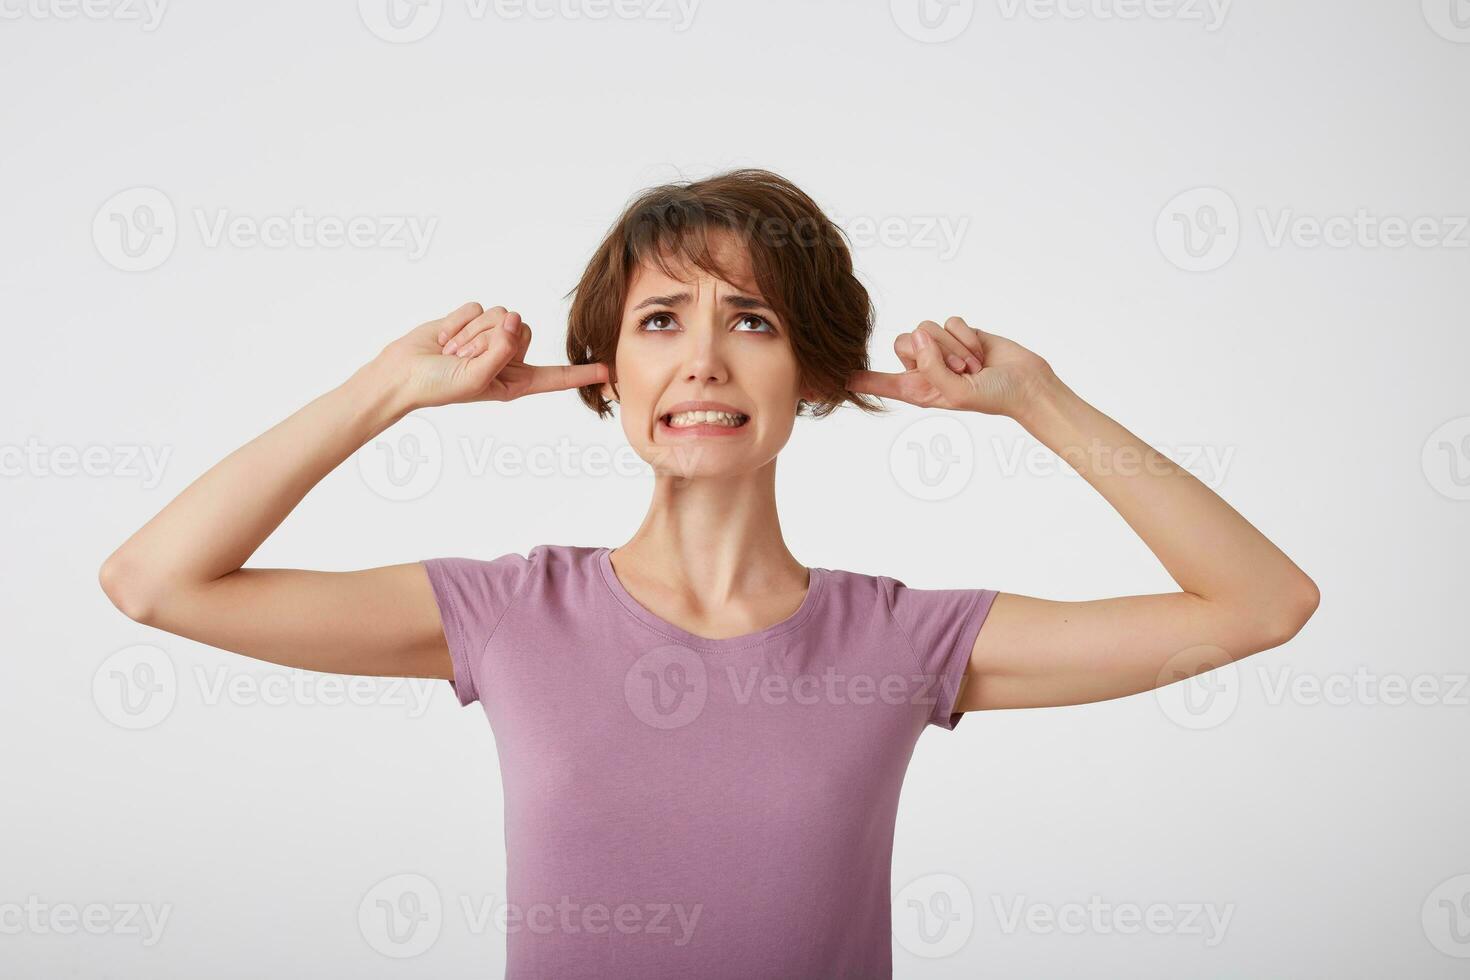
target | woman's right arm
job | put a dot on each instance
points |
(182, 571)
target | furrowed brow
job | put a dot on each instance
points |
(673, 300)
(747, 303)
(734, 301)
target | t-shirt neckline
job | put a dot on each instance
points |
(816, 578)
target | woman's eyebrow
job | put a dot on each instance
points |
(747, 303)
(737, 301)
(673, 300)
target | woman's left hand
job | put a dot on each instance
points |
(956, 366)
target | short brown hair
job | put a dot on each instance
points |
(800, 259)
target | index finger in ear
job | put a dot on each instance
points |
(881, 383)
(560, 377)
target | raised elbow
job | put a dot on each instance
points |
(1293, 610)
(127, 589)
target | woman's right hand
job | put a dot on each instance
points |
(475, 354)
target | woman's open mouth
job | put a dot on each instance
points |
(703, 423)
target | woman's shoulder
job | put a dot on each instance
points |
(563, 551)
(851, 578)
(520, 565)
(894, 590)
(543, 554)
(498, 580)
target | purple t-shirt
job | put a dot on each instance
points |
(677, 806)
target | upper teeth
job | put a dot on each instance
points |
(704, 418)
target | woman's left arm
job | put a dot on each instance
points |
(1240, 594)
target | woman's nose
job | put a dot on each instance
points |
(706, 357)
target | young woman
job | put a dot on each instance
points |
(702, 739)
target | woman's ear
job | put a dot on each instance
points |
(610, 390)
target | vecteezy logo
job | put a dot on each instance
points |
(1446, 917)
(405, 462)
(1446, 459)
(401, 916)
(135, 230)
(932, 21)
(933, 458)
(666, 687)
(1199, 230)
(1199, 687)
(400, 21)
(1450, 19)
(136, 687)
(934, 916)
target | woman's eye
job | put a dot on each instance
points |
(657, 322)
(760, 322)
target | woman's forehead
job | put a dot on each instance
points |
(677, 274)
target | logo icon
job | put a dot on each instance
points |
(932, 21)
(1199, 687)
(666, 687)
(1199, 230)
(135, 230)
(1450, 19)
(400, 21)
(933, 458)
(1446, 917)
(934, 916)
(1446, 459)
(136, 687)
(401, 915)
(405, 462)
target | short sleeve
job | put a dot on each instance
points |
(941, 626)
(473, 595)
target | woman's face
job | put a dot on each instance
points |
(701, 343)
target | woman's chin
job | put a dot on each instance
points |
(698, 459)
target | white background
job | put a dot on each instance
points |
(1306, 381)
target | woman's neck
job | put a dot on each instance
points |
(706, 542)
